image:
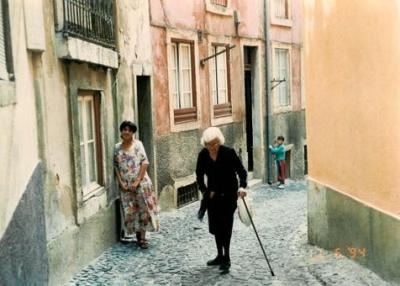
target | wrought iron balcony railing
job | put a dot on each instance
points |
(90, 20)
(220, 2)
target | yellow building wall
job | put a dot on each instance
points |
(352, 87)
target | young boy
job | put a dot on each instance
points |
(279, 151)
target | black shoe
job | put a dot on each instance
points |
(200, 214)
(216, 261)
(224, 272)
(225, 265)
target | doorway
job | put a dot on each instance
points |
(144, 118)
(248, 86)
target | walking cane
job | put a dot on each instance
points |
(255, 230)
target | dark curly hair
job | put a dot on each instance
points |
(128, 124)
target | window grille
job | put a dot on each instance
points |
(187, 194)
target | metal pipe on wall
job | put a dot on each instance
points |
(267, 90)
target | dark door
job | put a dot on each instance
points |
(145, 133)
(249, 117)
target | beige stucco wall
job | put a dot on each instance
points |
(352, 73)
(18, 147)
(135, 51)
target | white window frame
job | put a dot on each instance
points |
(288, 22)
(276, 107)
(88, 187)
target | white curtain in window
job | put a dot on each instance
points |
(181, 82)
(282, 72)
(175, 79)
(87, 140)
(219, 77)
(185, 75)
(222, 77)
(281, 7)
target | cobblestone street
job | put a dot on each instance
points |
(178, 253)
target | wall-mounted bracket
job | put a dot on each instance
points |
(203, 61)
(277, 81)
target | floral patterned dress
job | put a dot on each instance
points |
(140, 211)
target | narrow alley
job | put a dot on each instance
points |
(178, 253)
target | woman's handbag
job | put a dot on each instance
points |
(242, 212)
(155, 220)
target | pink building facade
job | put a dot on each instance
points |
(193, 90)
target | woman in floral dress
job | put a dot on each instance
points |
(140, 211)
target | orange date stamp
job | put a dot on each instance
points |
(351, 251)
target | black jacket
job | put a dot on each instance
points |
(221, 174)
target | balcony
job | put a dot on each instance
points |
(90, 20)
(220, 2)
(86, 31)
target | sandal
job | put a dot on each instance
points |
(139, 240)
(143, 244)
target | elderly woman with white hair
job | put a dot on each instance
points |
(221, 165)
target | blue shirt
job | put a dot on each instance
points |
(279, 152)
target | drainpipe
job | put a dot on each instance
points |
(268, 116)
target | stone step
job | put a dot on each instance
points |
(250, 176)
(254, 183)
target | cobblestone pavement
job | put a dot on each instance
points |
(178, 253)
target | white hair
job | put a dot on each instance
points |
(210, 134)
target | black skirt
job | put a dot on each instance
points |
(220, 213)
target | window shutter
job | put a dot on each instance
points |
(282, 76)
(175, 81)
(3, 58)
(214, 77)
(282, 72)
(277, 76)
(287, 77)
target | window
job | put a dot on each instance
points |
(90, 142)
(219, 7)
(6, 72)
(220, 2)
(220, 81)
(282, 72)
(281, 9)
(183, 81)
(281, 14)
(187, 194)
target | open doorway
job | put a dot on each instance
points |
(249, 54)
(144, 118)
